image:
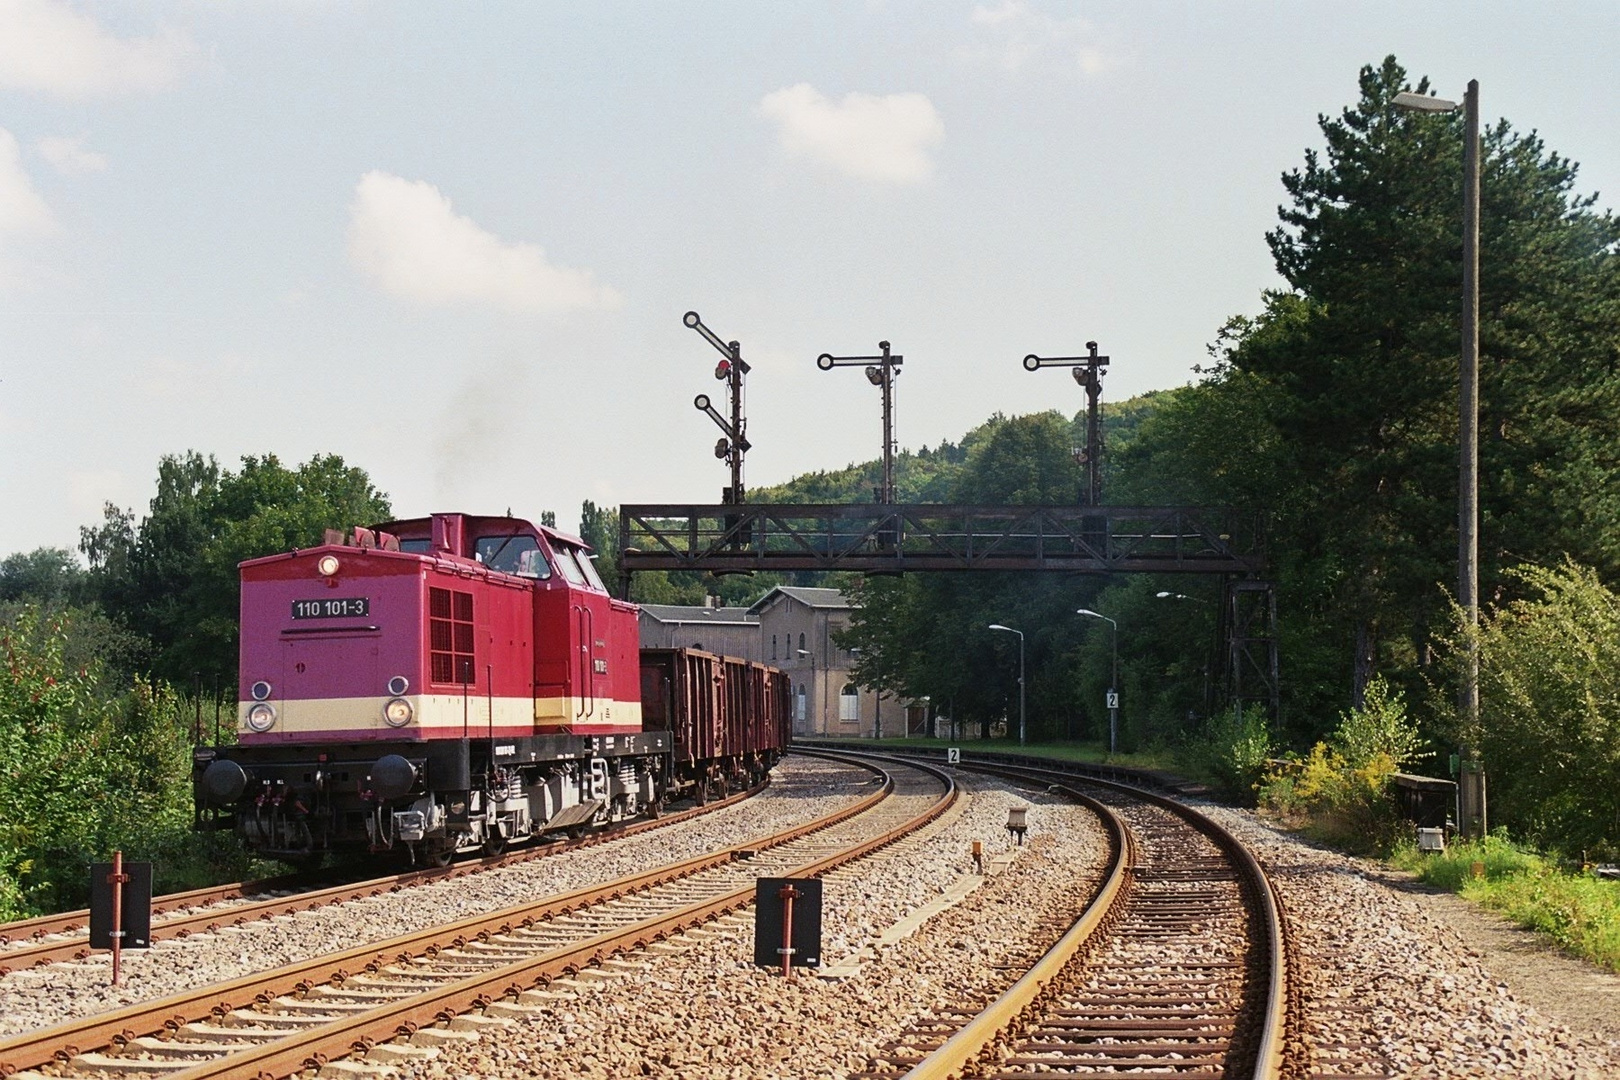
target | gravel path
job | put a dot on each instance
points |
(1396, 986)
(802, 789)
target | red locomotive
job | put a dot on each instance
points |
(453, 683)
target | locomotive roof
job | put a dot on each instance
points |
(479, 522)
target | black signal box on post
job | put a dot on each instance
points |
(805, 930)
(135, 916)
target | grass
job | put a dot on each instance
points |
(1579, 912)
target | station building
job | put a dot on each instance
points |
(790, 628)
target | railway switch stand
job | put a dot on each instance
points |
(1017, 823)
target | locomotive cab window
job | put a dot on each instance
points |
(510, 555)
(587, 563)
(416, 545)
(570, 569)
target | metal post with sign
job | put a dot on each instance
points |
(120, 907)
(787, 923)
(1113, 719)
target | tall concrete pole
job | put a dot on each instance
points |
(1472, 770)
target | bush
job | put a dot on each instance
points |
(1236, 752)
(1549, 687)
(87, 768)
(1340, 793)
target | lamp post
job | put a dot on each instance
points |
(1471, 786)
(1020, 633)
(1113, 690)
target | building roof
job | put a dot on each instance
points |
(682, 613)
(813, 598)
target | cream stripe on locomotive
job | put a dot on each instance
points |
(442, 715)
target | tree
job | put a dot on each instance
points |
(172, 577)
(1549, 725)
(1340, 398)
(86, 764)
(45, 575)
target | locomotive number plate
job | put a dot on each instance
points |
(345, 608)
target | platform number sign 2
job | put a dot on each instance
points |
(953, 755)
(1113, 699)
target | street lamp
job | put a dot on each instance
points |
(1020, 633)
(1471, 789)
(1113, 690)
(1179, 596)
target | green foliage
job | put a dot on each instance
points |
(1577, 911)
(44, 575)
(1235, 751)
(1379, 731)
(85, 768)
(1340, 792)
(1549, 707)
(172, 577)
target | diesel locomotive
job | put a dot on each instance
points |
(457, 682)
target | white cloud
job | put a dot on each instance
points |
(1023, 34)
(22, 211)
(47, 46)
(864, 136)
(405, 236)
(69, 156)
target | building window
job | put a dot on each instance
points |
(773, 648)
(801, 640)
(450, 634)
(849, 704)
(799, 705)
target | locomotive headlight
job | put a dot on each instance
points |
(397, 713)
(327, 565)
(261, 717)
(398, 685)
(260, 690)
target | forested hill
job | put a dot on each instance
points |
(935, 474)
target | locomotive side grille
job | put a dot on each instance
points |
(450, 635)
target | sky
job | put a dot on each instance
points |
(453, 242)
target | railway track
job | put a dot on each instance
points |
(50, 939)
(399, 999)
(1176, 968)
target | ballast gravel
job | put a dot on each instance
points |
(1391, 990)
(709, 1012)
(1388, 988)
(802, 789)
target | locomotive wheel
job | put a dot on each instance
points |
(576, 831)
(655, 809)
(494, 844)
(440, 857)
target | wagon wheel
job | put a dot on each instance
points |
(439, 857)
(494, 843)
(700, 794)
